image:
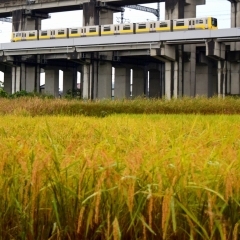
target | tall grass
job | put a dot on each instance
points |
(34, 106)
(120, 177)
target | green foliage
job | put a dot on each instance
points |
(48, 105)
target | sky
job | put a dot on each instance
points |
(74, 18)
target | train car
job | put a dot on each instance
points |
(74, 32)
(53, 34)
(117, 29)
(90, 31)
(194, 23)
(158, 26)
(24, 36)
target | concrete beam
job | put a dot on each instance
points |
(215, 50)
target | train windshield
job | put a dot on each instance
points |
(214, 22)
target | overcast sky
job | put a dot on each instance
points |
(74, 18)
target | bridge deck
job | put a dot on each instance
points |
(51, 6)
(118, 42)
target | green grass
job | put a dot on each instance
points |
(34, 106)
(119, 177)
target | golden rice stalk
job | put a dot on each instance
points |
(210, 211)
(150, 209)
(144, 229)
(235, 232)
(116, 230)
(80, 218)
(166, 212)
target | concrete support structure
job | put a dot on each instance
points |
(23, 20)
(28, 75)
(86, 73)
(235, 21)
(155, 90)
(138, 82)
(52, 81)
(69, 80)
(183, 71)
(206, 79)
(104, 81)
(8, 80)
(235, 78)
(169, 66)
(101, 71)
(122, 83)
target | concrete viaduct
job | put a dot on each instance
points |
(175, 68)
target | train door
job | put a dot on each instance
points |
(52, 34)
(83, 32)
(191, 24)
(116, 29)
(152, 27)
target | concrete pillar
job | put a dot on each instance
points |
(104, 81)
(185, 72)
(90, 14)
(122, 83)
(29, 78)
(101, 71)
(138, 82)
(189, 72)
(176, 80)
(16, 79)
(104, 71)
(155, 90)
(235, 78)
(228, 77)
(86, 74)
(8, 80)
(235, 21)
(206, 79)
(52, 81)
(169, 70)
(221, 78)
(69, 81)
(23, 22)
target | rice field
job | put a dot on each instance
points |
(120, 176)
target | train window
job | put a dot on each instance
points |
(180, 23)
(44, 33)
(154, 25)
(126, 27)
(82, 30)
(106, 29)
(214, 22)
(193, 22)
(18, 34)
(92, 30)
(142, 26)
(61, 32)
(150, 25)
(199, 21)
(32, 34)
(163, 24)
(74, 31)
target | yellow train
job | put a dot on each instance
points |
(117, 29)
